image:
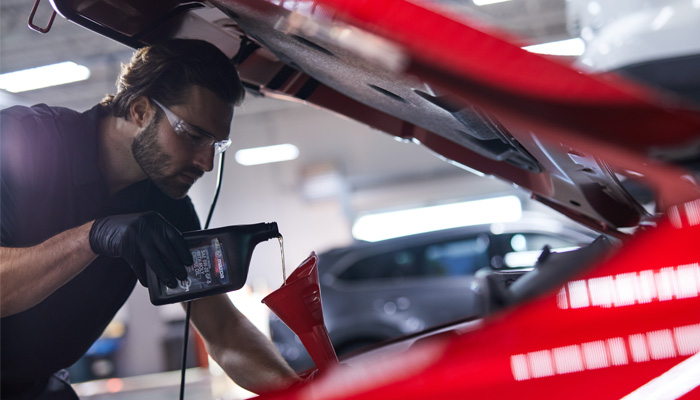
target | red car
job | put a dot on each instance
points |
(606, 321)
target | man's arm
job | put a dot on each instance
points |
(245, 354)
(29, 275)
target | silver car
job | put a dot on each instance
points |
(373, 292)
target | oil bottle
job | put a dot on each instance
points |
(221, 262)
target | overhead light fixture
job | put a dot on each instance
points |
(41, 77)
(568, 47)
(380, 226)
(267, 154)
(487, 2)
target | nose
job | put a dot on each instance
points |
(204, 159)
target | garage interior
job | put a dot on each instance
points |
(343, 170)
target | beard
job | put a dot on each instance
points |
(155, 162)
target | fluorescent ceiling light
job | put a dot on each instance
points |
(41, 77)
(487, 2)
(375, 227)
(267, 154)
(568, 47)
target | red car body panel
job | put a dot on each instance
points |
(604, 335)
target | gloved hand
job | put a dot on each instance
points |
(143, 238)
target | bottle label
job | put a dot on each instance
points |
(208, 271)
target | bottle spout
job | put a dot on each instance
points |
(262, 231)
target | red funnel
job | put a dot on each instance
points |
(298, 304)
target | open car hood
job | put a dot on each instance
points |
(578, 142)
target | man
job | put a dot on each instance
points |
(89, 201)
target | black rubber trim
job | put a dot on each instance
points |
(282, 76)
(308, 89)
(72, 16)
(167, 17)
(246, 48)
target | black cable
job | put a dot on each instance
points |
(219, 175)
(184, 349)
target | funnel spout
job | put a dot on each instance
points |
(298, 305)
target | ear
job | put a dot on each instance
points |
(141, 111)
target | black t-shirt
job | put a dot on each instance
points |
(50, 183)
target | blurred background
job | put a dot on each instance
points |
(339, 172)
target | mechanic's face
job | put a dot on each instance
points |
(169, 159)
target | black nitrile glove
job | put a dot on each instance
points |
(144, 238)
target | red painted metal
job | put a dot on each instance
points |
(602, 335)
(506, 76)
(298, 304)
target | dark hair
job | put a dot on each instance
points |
(166, 70)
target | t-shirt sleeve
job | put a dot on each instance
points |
(8, 177)
(24, 167)
(8, 222)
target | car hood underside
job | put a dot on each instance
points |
(586, 145)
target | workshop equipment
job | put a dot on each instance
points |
(298, 304)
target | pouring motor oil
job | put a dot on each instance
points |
(221, 262)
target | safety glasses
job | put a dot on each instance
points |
(198, 138)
